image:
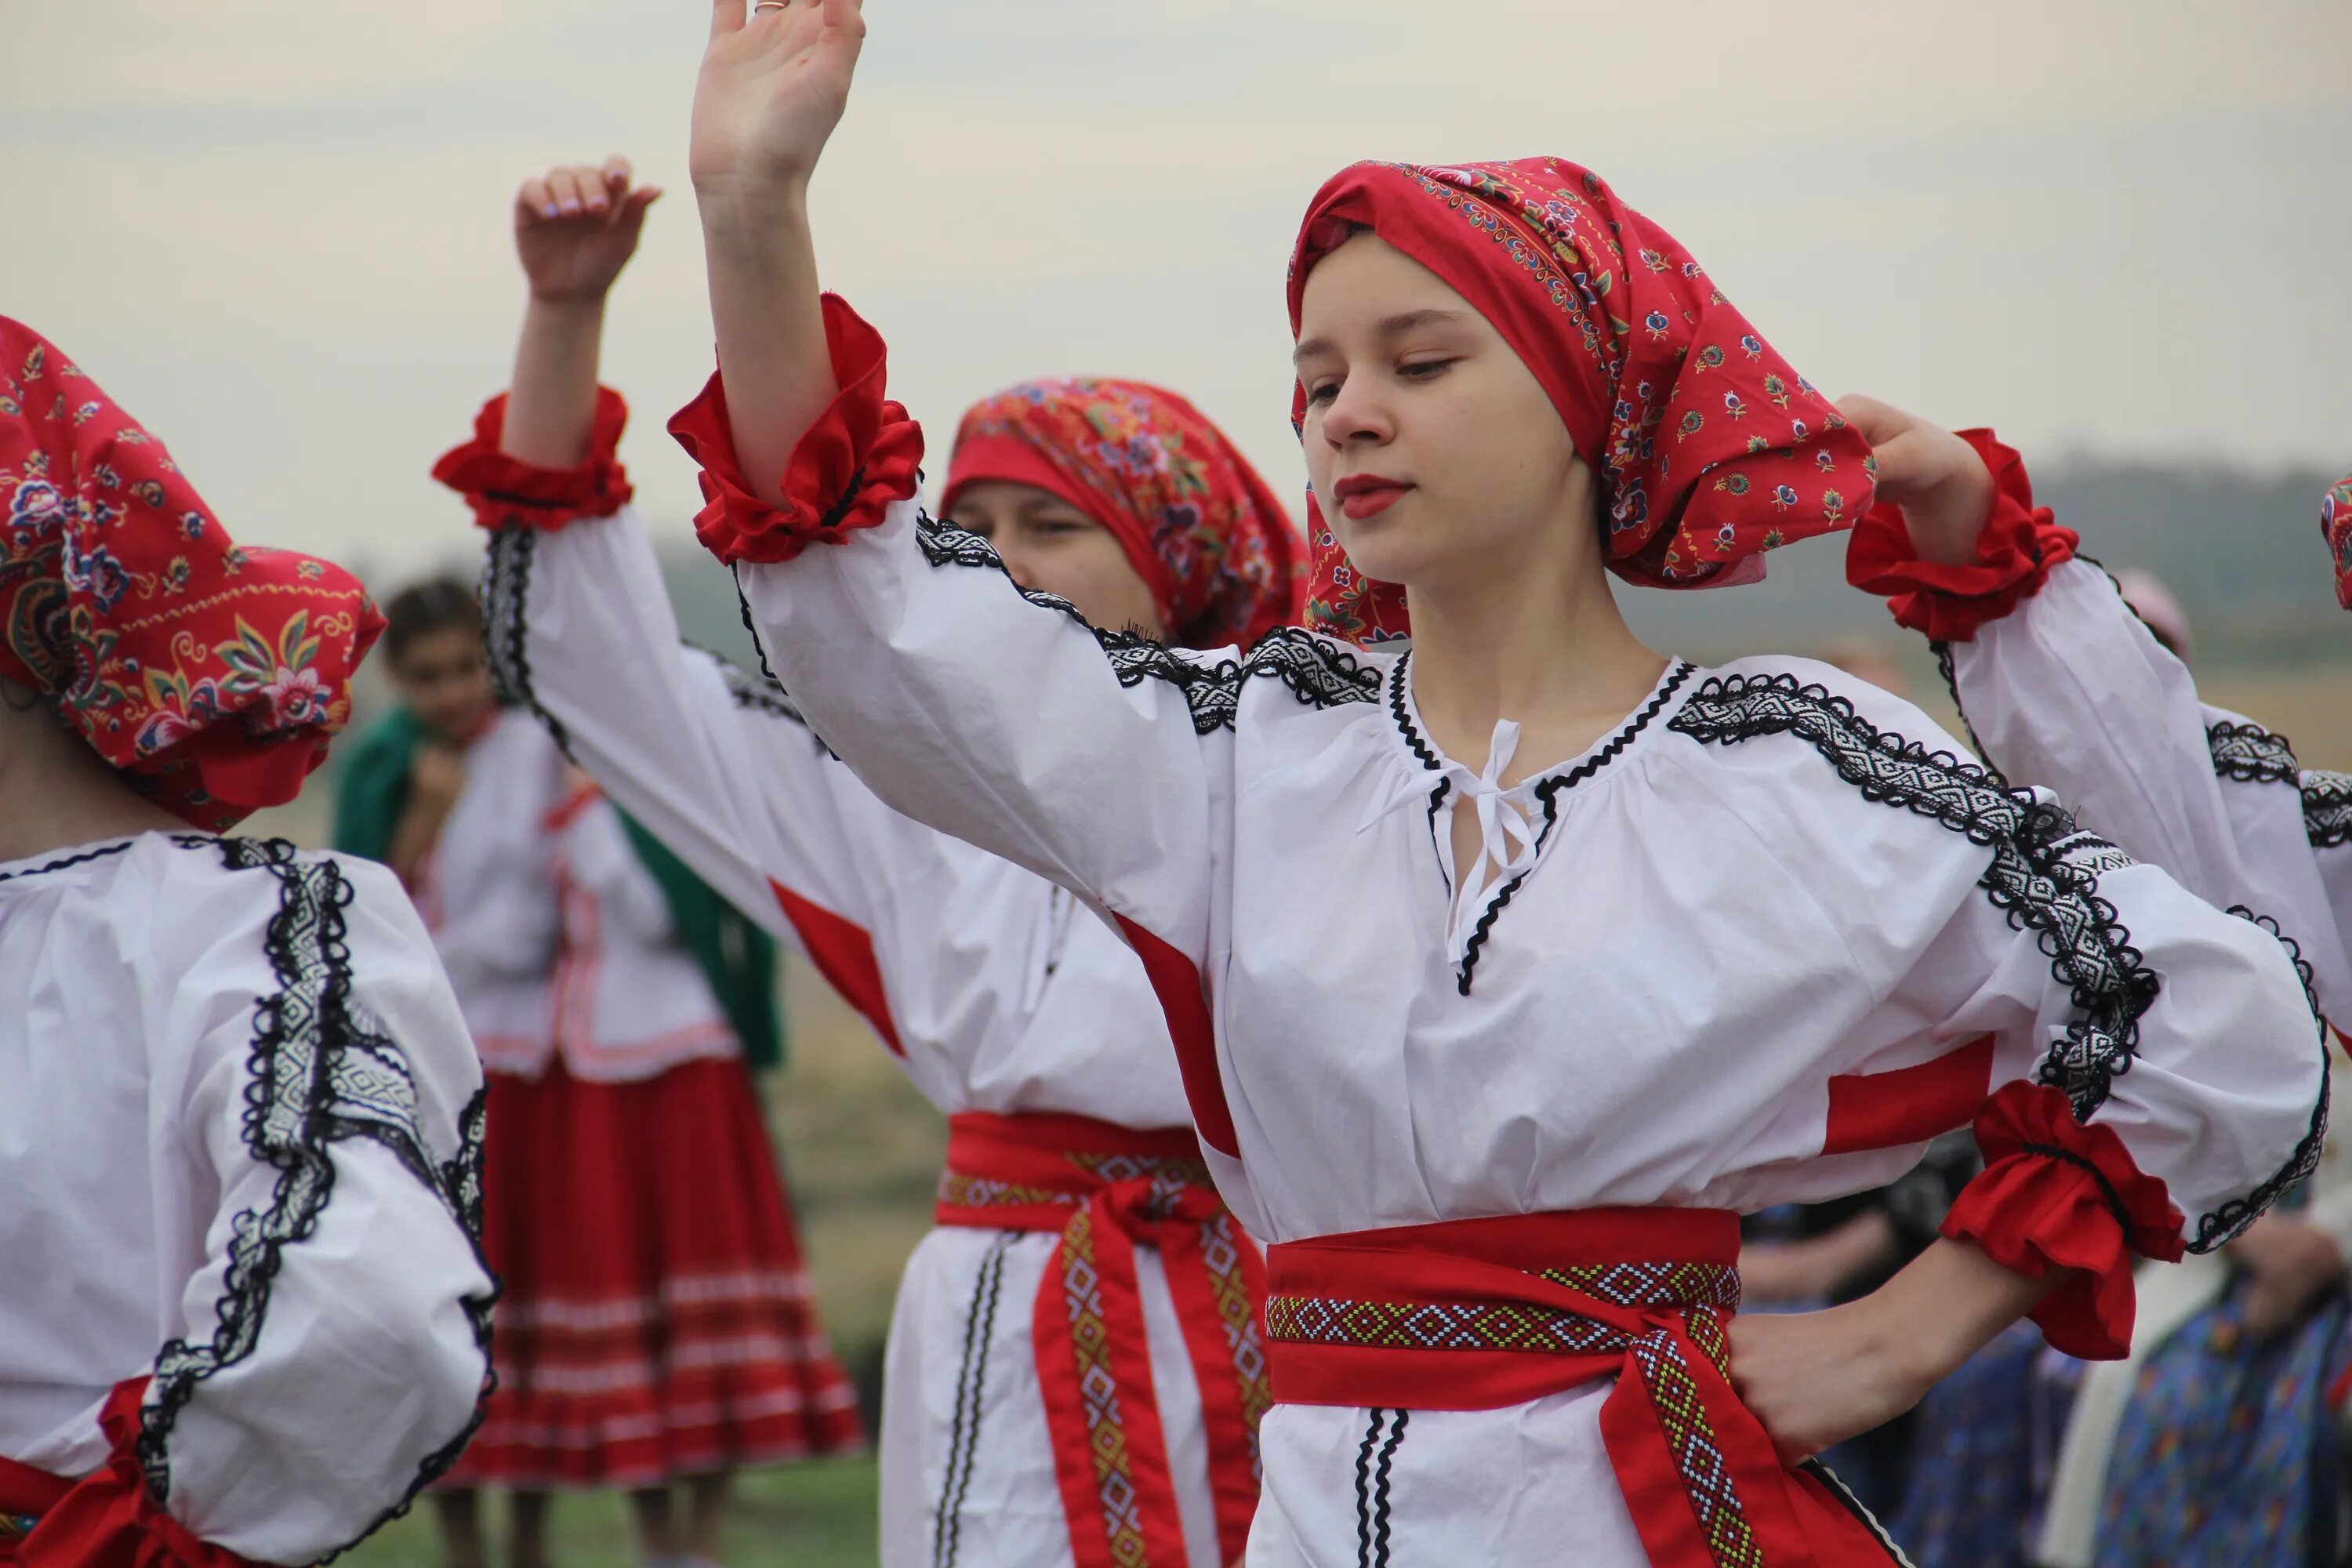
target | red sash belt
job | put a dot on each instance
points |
(108, 1519)
(1481, 1314)
(1106, 1190)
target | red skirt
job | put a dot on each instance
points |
(655, 1320)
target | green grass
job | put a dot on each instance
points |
(796, 1516)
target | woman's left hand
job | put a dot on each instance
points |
(1815, 1379)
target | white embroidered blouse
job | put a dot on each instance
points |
(242, 1149)
(997, 993)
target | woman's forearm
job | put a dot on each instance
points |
(551, 404)
(1947, 1304)
(765, 306)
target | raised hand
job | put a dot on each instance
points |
(576, 226)
(774, 81)
(1934, 477)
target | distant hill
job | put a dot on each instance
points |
(2241, 548)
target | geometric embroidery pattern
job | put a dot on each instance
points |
(2250, 753)
(2327, 808)
(1098, 1392)
(1698, 1296)
(1318, 672)
(1221, 1249)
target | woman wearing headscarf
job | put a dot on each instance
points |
(247, 1318)
(2082, 684)
(1086, 1314)
(1493, 1056)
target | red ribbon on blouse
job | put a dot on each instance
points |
(1106, 1190)
(108, 1519)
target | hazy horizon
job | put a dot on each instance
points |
(279, 236)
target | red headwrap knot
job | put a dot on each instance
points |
(212, 676)
(1709, 447)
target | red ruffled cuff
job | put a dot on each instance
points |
(109, 1519)
(2019, 546)
(508, 493)
(2056, 1193)
(862, 454)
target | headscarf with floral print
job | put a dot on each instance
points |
(210, 676)
(1708, 448)
(1222, 559)
(2336, 527)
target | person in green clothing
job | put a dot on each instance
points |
(656, 1330)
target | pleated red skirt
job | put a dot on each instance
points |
(656, 1319)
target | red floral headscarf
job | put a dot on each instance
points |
(1202, 529)
(1709, 448)
(2336, 527)
(210, 677)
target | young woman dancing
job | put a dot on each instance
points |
(1492, 1054)
(240, 1145)
(1082, 1269)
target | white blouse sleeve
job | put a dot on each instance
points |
(2071, 692)
(2150, 1072)
(596, 854)
(334, 1340)
(990, 712)
(716, 762)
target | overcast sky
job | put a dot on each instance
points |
(276, 229)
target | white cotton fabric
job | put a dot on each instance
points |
(139, 974)
(2071, 691)
(1005, 996)
(558, 940)
(1717, 922)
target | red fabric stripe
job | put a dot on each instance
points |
(1176, 980)
(109, 1519)
(1231, 1429)
(1909, 1105)
(843, 953)
(1126, 1454)
(1100, 1222)
(1692, 1405)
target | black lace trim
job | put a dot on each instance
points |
(1318, 672)
(2044, 871)
(2327, 808)
(1548, 792)
(1946, 666)
(2225, 1224)
(505, 625)
(761, 693)
(321, 1070)
(82, 858)
(2250, 754)
(1398, 713)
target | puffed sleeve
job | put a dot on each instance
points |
(2064, 688)
(2146, 1073)
(995, 715)
(332, 1348)
(716, 762)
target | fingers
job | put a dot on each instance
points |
(726, 16)
(533, 201)
(563, 189)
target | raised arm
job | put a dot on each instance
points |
(715, 762)
(993, 714)
(2064, 688)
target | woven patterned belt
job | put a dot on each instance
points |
(1105, 1190)
(1482, 1314)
